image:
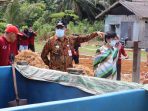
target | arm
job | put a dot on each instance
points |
(85, 38)
(45, 53)
(34, 33)
(123, 52)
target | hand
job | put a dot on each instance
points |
(101, 34)
(126, 57)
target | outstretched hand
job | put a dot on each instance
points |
(101, 34)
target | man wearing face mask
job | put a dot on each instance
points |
(60, 48)
(11, 32)
(106, 58)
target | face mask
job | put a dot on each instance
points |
(59, 33)
(113, 43)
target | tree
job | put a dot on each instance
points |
(31, 12)
(12, 14)
(83, 8)
(51, 5)
(112, 1)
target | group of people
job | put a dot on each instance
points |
(107, 62)
(13, 41)
(63, 49)
(27, 40)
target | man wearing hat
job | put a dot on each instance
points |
(9, 36)
(60, 48)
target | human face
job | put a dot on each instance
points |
(112, 42)
(12, 37)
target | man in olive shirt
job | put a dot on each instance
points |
(60, 48)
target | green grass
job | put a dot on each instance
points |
(90, 50)
(39, 46)
(89, 46)
(84, 51)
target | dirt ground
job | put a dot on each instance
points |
(87, 65)
(126, 69)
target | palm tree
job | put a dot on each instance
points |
(83, 8)
(12, 12)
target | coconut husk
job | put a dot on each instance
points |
(32, 58)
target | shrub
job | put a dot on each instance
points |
(44, 32)
(2, 27)
(84, 27)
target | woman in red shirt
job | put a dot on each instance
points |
(24, 40)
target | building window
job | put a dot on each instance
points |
(127, 30)
(114, 27)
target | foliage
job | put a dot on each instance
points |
(83, 8)
(2, 10)
(23, 27)
(31, 12)
(12, 14)
(45, 17)
(24, 14)
(2, 27)
(85, 27)
(44, 14)
(57, 15)
(44, 32)
(60, 15)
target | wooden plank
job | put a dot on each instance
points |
(136, 62)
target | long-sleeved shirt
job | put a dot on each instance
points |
(60, 51)
(121, 51)
(32, 37)
(4, 51)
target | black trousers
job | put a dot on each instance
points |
(118, 71)
(76, 59)
(31, 47)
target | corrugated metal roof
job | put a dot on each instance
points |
(138, 8)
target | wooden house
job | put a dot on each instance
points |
(128, 20)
